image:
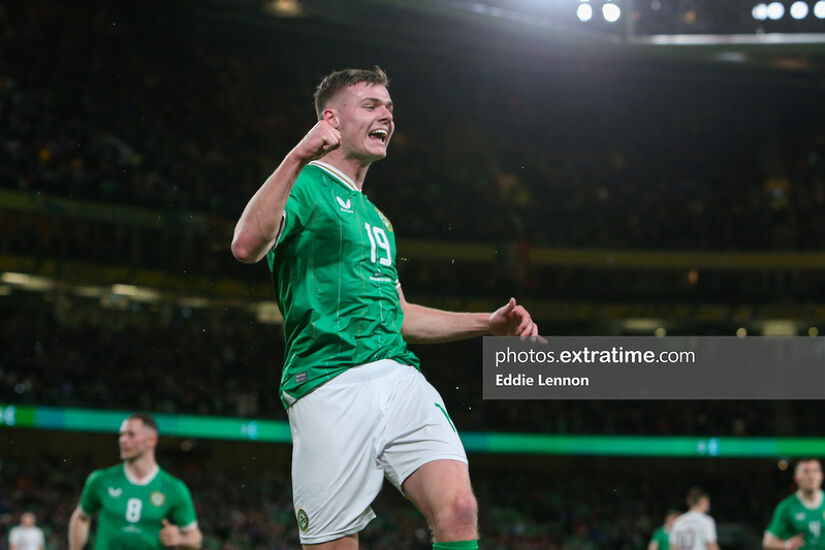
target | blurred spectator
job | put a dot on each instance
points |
(27, 535)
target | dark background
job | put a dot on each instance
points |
(132, 135)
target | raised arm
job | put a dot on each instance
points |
(426, 325)
(78, 529)
(259, 225)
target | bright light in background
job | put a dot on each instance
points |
(26, 281)
(584, 12)
(799, 10)
(760, 12)
(611, 12)
(642, 325)
(819, 9)
(775, 10)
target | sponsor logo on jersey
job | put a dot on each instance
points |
(384, 219)
(303, 520)
(300, 378)
(114, 493)
(157, 498)
(346, 206)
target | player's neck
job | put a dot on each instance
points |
(813, 497)
(141, 468)
(353, 168)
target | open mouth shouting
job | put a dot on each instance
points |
(380, 134)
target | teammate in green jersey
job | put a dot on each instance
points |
(358, 407)
(139, 505)
(797, 521)
(660, 539)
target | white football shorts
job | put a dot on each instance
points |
(382, 419)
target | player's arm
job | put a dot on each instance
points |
(779, 535)
(258, 227)
(772, 542)
(426, 325)
(188, 537)
(78, 529)
(713, 546)
(653, 545)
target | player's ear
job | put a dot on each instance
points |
(330, 115)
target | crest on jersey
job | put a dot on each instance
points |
(303, 520)
(384, 219)
(114, 493)
(157, 498)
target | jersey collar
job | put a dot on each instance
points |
(146, 480)
(817, 503)
(333, 171)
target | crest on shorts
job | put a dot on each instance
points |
(157, 498)
(384, 219)
(303, 520)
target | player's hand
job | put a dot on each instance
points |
(319, 141)
(512, 319)
(170, 534)
(795, 542)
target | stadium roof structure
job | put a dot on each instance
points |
(550, 31)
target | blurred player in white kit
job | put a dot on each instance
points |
(27, 535)
(695, 529)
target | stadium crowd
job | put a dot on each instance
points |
(150, 108)
(520, 509)
(139, 109)
(203, 362)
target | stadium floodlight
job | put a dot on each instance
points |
(760, 12)
(611, 12)
(799, 10)
(819, 9)
(584, 12)
(775, 11)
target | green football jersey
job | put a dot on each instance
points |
(792, 517)
(335, 279)
(661, 538)
(129, 515)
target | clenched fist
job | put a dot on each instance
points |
(170, 534)
(319, 141)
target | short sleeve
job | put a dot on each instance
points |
(778, 526)
(14, 536)
(183, 512)
(299, 207)
(90, 497)
(710, 530)
(41, 538)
